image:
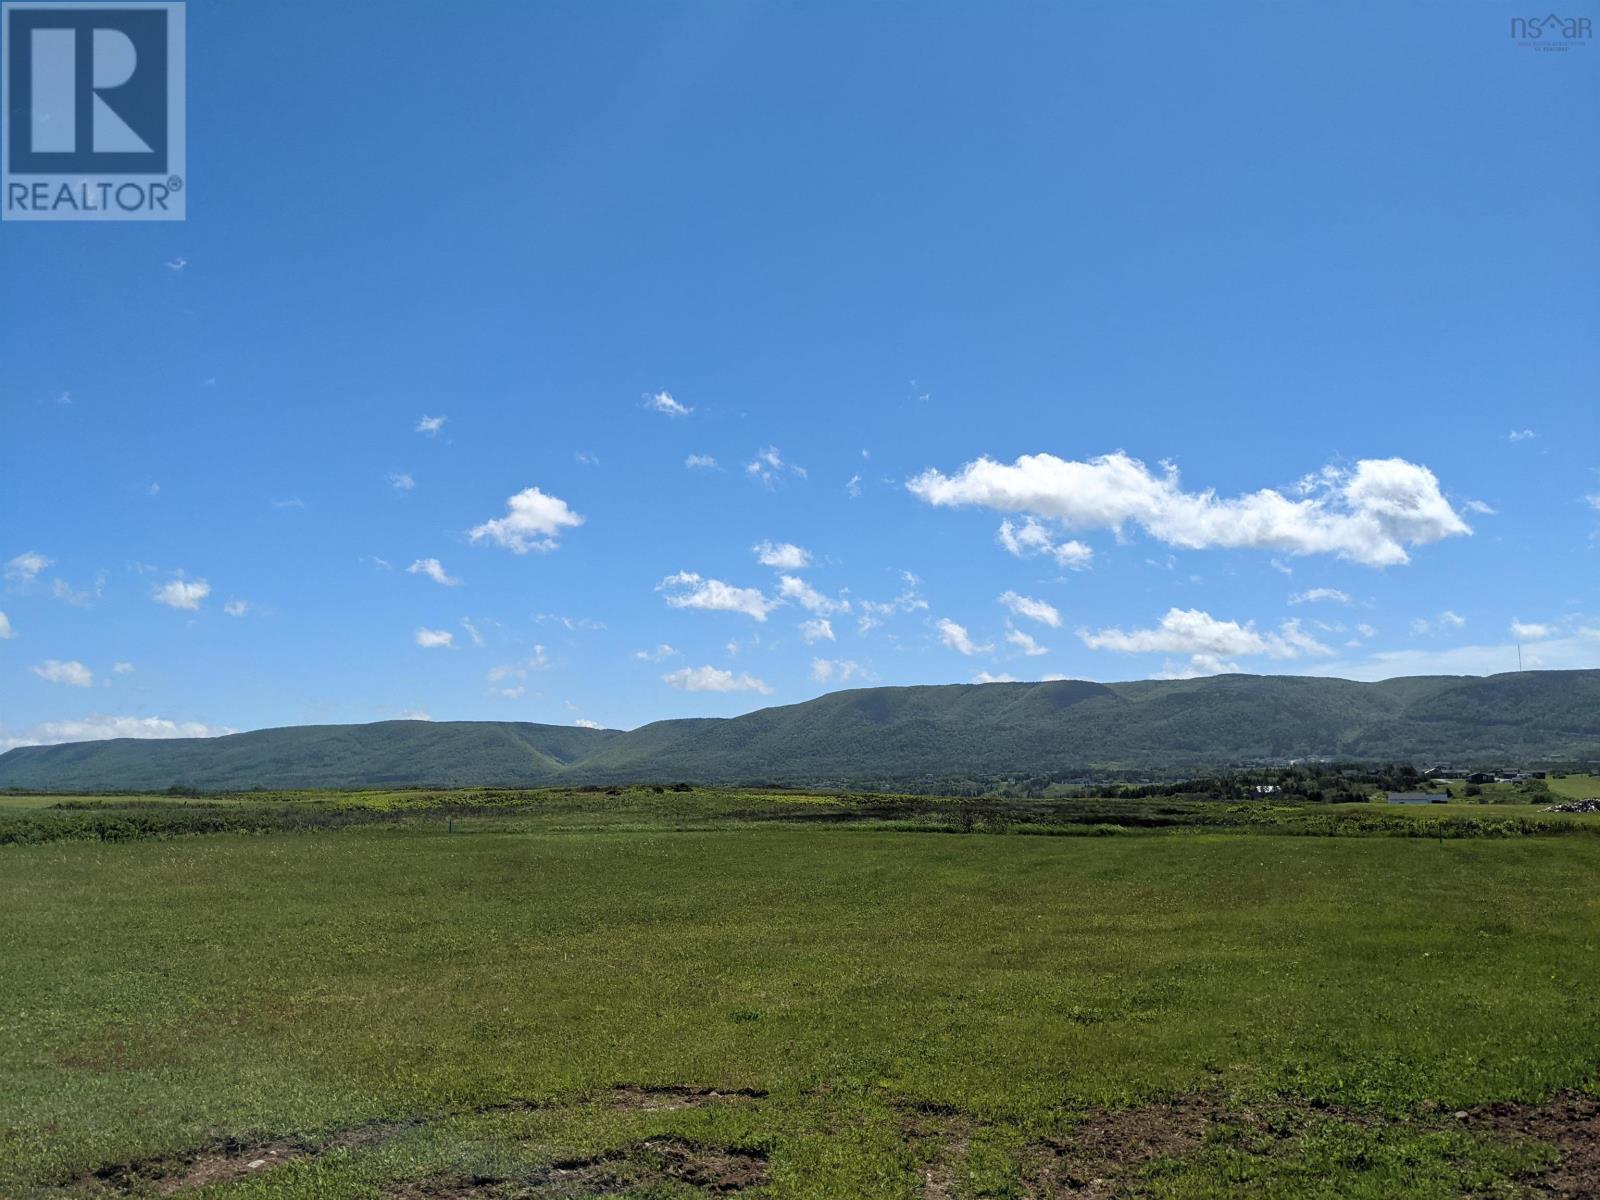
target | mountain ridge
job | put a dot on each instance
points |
(918, 736)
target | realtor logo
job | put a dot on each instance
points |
(92, 112)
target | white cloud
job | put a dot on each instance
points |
(56, 671)
(1034, 610)
(1316, 595)
(122, 668)
(1026, 644)
(792, 587)
(956, 637)
(585, 723)
(1579, 651)
(182, 593)
(434, 570)
(62, 590)
(700, 462)
(686, 589)
(25, 567)
(431, 425)
(768, 467)
(874, 612)
(402, 481)
(1520, 435)
(991, 677)
(713, 679)
(852, 486)
(1370, 514)
(472, 631)
(1199, 634)
(1479, 507)
(659, 654)
(538, 661)
(585, 458)
(663, 402)
(6, 631)
(533, 521)
(1594, 500)
(817, 629)
(1032, 538)
(430, 639)
(784, 556)
(98, 728)
(835, 670)
(1445, 620)
(1528, 631)
(236, 608)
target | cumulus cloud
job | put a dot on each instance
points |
(434, 570)
(99, 728)
(1445, 620)
(875, 612)
(1520, 435)
(687, 589)
(236, 608)
(713, 679)
(835, 670)
(663, 402)
(700, 462)
(956, 637)
(25, 567)
(817, 629)
(991, 677)
(1026, 644)
(1316, 595)
(431, 639)
(533, 521)
(182, 593)
(1207, 640)
(537, 661)
(122, 668)
(659, 654)
(784, 556)
(585, 723)
(402, 481)
(73, 673)
(1034, 610)
(1033, 538)
(5, 628)
(769, 467)
(792, 587)
(1531, 631)
(1370, 514)
(431, 425)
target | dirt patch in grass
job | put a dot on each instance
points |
(1102, 1153)
(230, 1159)
(222, 1162)
(711, 1170)
(1570, 1123)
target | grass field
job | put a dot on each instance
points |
(660, 994)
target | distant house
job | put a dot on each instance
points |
(1415, 797)
(1481, 777)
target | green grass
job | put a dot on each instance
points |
(159, 994)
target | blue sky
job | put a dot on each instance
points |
(1103, 341)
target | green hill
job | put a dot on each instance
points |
(890, 737)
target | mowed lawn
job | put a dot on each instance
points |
(905, 1000)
